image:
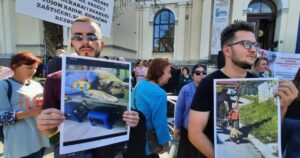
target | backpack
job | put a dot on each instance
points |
(137, 139)
(9, 92)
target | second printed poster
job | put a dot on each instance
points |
(95, 94)
(247, 118)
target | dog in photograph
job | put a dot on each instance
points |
(234, 135)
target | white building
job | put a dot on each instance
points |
(180, 30)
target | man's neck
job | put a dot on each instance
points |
(234, 72)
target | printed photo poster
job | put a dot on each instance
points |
(95, 93)
(284, 66)
(247, 118)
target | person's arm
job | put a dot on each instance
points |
(179, 112)
(49, 120)
(131, 118)
(287, 92)
(160, 121)
(197, 123)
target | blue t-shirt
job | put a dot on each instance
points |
(22, 137)
(151, 100)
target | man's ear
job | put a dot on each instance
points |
(226, 51)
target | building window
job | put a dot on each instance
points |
(261, 6)
(163, 34)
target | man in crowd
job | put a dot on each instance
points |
(55, 63)
(86, 39)
(239, 46)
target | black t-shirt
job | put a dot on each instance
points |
(293, 111)
(204, 99)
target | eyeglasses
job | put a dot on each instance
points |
(89, 37)
(247, 44)
(200, 72)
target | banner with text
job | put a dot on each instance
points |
(283, 65)
(63, 12)
(220, 21)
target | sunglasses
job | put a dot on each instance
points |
(89, 37)
(200, 72)
(247, 44)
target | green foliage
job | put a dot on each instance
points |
(262, 120)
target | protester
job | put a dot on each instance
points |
(86, 39)
(151, 100)
(171, 86)
(239, 46)
(291, 126)
(139, 71)
(184, 78)
(261, 68)
(18, 114)
(182, 113)
(55, 63)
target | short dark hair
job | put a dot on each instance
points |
(228, 33)
(26, 58)
(156, 69)
(196, 66)
(186, 68)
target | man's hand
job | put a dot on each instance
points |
(131, 118)
(287, 92)
(49, 120)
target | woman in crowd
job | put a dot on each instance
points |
(21, 136)
(185, 97)
(139, 71)
(151, 100)
(184, 78)
(291, 126)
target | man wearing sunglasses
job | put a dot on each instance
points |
(239, 46)
(86, 39)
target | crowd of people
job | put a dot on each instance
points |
(33, 112)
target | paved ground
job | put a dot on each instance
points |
(49, 153)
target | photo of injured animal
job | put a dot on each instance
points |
(95, 93)
(247, 118)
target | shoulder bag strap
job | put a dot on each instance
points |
(9, 92)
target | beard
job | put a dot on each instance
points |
(242, 64)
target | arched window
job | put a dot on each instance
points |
(163, 34)
(261, 6)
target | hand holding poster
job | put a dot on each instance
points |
(95, 94)
(247, 122)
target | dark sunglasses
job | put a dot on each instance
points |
(247, 44)
(89, 37)
(200, 72)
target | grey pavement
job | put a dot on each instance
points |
(49, 153)
(245, 149)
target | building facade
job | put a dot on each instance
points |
(181, 30)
